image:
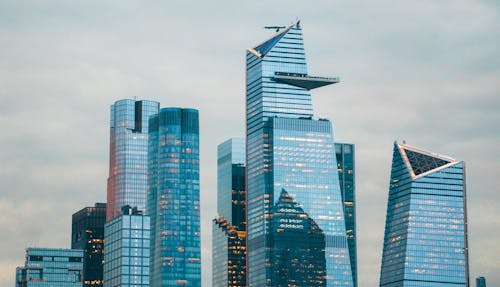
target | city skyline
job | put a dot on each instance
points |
(65, 156)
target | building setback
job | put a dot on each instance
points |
(127, 243)
(229, 228)
(128, 155)
(48, 267)
(346, 167)
(87, 233)
(296, 229)
(174, 198)
(425, 241)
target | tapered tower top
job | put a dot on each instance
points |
(297, 79)
(420, 162)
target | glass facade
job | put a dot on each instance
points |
(49, 267)
(229, 228)
(174, 198)
(346, 168)
(87, 233)
(425, 241)
(296, 228)
(127, 243)
(128, 154)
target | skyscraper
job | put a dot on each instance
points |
(46, 267)
(346, 168)
(296, 228)
(128, 154)
(87, 233)
(174, 198)
(480, 281)
(127, 243)
(229, 228)
(425, 241)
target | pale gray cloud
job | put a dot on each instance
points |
(424, 71)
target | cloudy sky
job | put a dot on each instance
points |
(424, 71)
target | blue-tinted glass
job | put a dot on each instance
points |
(46, 267)
(229, 242)
(174, 198)
(296, 228)
(425, 240)
(346, 170)
(128, 154)
(127, 252)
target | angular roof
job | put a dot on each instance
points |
(262, 49)
(420, 162)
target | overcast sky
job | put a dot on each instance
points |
(424, 71)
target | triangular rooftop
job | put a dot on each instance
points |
(421, 161)
(262, 49)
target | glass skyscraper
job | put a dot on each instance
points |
(127, 243)
(174, 198)
(128, 154)
(229, 228)
(346, 168)
(425, 241)
(296, 228)
(87, 233)
(49, 267)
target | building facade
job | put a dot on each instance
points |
(87, 233)
(345, 153)
(128, 154)
(174, 198)
(425, 241)
(127, 243)
(296, 232)
(480, 281)
(229, 228)
(49, 267)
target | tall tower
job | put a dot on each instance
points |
(174, 198)
(345, 153)
(229, 228)
(425, 241)
(296, 229)
(128, 155)
(87, 233)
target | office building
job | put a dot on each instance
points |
(128, 154)
(127, 243)
(229, 228)
(48, 267)
(346, 167)
(425, 241)
(174, 198)
(87, 233)
(296, 232)
(480, 281)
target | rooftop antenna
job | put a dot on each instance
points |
(297, 22)
(278, 28)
